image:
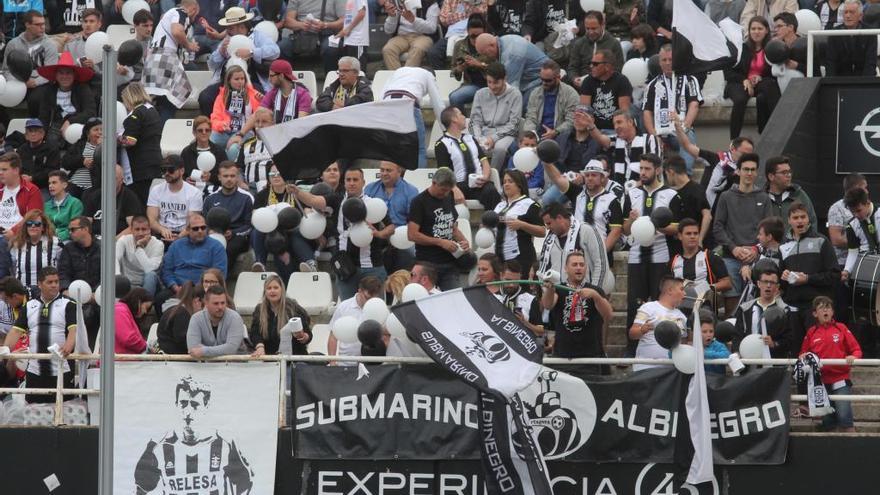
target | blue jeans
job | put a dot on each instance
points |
(420, 129)
(842, 417)
(348, 288)
(672, 142)
(733, 266)
(553, 195)
(220, 139)
(150, 283)
(463, 95)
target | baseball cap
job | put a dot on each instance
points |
(284, 68)
(33, 123)
(595, 166)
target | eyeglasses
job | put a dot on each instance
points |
(596, 64)
(749, 170)
(34, 223)
(203, 131)
(783, 172)
(198, 228)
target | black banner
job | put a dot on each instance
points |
(581, 418)
(858, 131)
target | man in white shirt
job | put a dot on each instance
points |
(368, 288)
(653, 312)
(415, 83)
(139, 254)
(169, 204)
(411, 33)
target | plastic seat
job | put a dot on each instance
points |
(119, 34)
(199, 79)
(313, 291)
(307, 79)
(15, 125)
(176, 135)
(420, 177)
(371, 175)
(320, 336)
(249, 291)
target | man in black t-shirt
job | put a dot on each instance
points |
(606, 90)
(577, 316)
(128, 205)
(433, 227)
(693, 199)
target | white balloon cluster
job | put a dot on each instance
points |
(312, 225)
(345, 329)
(264, 219)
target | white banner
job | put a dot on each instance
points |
(195, 428)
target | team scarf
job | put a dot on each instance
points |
(806, 370)
(570, 243)
(289, 110)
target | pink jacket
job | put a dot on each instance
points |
(128, 336)
(220, 118)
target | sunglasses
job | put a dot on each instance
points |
(33, 223)
(596, 64)
(198, 228)
(168, 170)
(274, 174)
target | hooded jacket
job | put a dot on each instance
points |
(496, 116)
(736, 217)
(781, 203)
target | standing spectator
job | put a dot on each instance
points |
(782, 191)
(577, 316)
(839, 216)
(433, 227)
(171, 202)
(771, 232)
(66, 99)
(368, 288)
(79, 160)
(669, 93)
(461, 153)
(394, 190)
(415, 83)
(128, 205)
(139, 255)
(164, 74)
(312, 23)
(467, 64)
(458, 18)
(582, 60)
(629, 146)
(851, 55)
(566, 235)
(750, 316)
(495, 114)
(61, 207)
(17, 194)
(350, 88)
(81, 260)
(521, 301)
(239, 205)
(550, 109)
(127, 312)
(216, 330)
(696, 264)
(174, 323)
(649, 314)
(735, 223)
(577, 146)
(201, 128)
(271, 314)
(38, 155)
(829, 12)
(769, 9)
(693, 199)
(141, 138)
(521, 59)
(606, 90)
(235, 103)
(752, 77)
(410, 32)
(507, 17)
(33, 41)
(354, 37)
(34, 247)
(189, 256)
(519, 222)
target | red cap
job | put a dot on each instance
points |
(283, 67)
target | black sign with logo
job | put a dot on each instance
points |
(858, 131)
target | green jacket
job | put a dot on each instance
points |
(567, 99)
(62, 214)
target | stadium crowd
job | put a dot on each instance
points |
(531, 72)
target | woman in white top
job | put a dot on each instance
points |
(519, 222)
(34, 247)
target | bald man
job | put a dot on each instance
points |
(522, 60)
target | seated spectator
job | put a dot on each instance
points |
(287, 99)
(621, 19)
(127, 206)
(235, 103)
(66, 99)
(192, 254)
(606, 90)
(644, 43)
(212, 277)
(215, 330)
(253, 157)
(460, 152)
(141, 138)
(467, 65)
(171, 202)
(851, 55)
(139, 255)
(520, 222)
(550, 109)
(34, 247)
(38, 155)
(202, 144)
(312, 23)
(31, 41)
(712, 349)
(61, 207)
(785, 27)
(350, 88)
(17, 194)
(129, 310)
(495, 114)
(830, 13)
(535, 178)
(653, 312)
(488, 270)
(174, 323)
(91, 21)
(455, 23)
(411, 33)
(299, 249)
(629, 146)
(368, 288)
(271, 315)
(769, 10)
(65, 18)
(79, 161)
(238, 204)
(750, 77)
(394, 285)
(521, 59)
(425, 274)
(582, 60)
(81, 260)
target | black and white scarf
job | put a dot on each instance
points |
(551, 239)
(806, 370)
(289, 110)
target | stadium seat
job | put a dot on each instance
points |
(176, 135)
(249, 291)
(199, 79)
(473, 204)
(119, 34)
(464, 225)
(15, 125)
(156, 182)
(446, 83)
(320, 336)
(307, 79)
(313, 291)
(380, 78)
(713, 88)
(450, 44)
(371, 175)
(420, 177)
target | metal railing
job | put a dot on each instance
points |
(59, 391)
(833, 32)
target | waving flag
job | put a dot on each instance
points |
(700, 45)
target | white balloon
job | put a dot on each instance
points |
(463, 211)
(206, 161)
(643, 231)
(97, 295)
(597, 5)
(346, 329)
(484, 238)
(413, 292)
(80, 291)
(264, 219)
(2, 84)
(375, 309)
(400, 238)
(636, 70)
(525, 159)
(752, 347)
(239, 41)
(396, 328)
(268, 28)
(219, 238)
(14, 93)
(73, 133)
(121, 114)
(280, 206)
(312, 225)
(240, 62)
(684, 357)
(361, 234)
(807, 21)
(376, 210)
(132, 7)
(95, 46)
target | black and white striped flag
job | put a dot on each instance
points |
(382, 130)
(700, 45)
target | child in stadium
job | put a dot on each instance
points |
(712, 349)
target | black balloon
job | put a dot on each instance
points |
(548, 151)
(288, 218)
(466, 262)
(654, 66)
(218, 219)
(489, 219)
(123, 286)
(776, 52)
(774, 317)
(661, 217)
(667, 334)
(354, 210)
(131, 52)
(276, 243)
(19, 64)
(321, 189)
(798, 50)
(725, 331)
(370, 332)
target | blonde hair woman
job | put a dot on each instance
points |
(141, 138)
(270, 316)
